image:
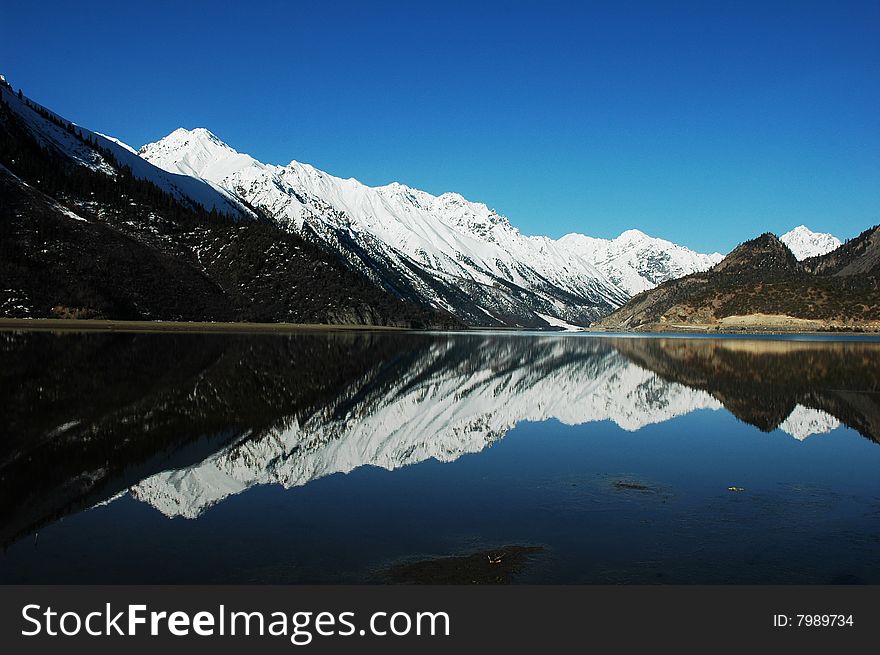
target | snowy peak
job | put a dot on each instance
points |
(636, 262)
(181, 137)
(805, 243)
(197, 153)
(628, 236)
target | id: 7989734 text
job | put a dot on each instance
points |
(812, 620)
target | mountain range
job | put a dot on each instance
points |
(209, 233)
(444, 250)
(761, 284)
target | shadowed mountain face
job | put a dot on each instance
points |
(182, 421)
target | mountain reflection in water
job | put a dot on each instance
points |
(184, 421)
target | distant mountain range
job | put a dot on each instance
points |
(187, 228)
(763, 285)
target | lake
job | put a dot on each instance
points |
(414, 457)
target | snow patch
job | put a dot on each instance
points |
(64, 210)
(121, 144)
(556, 322)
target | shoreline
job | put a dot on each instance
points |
(756, 333)
(755, 323)
(105, 325)
(755, 330)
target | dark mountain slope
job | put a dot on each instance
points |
(55, 265)
(859, 256)
(81, 236)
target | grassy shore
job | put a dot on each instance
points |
(66, 324)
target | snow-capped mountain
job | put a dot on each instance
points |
(441, 407)
(94, 230)
(805, 243)
(442, 250)
(636, 262)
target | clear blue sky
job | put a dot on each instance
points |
(702, 122)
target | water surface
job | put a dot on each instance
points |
(171, 458)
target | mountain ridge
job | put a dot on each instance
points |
(499, 275)
(635, 261)
(443, 250)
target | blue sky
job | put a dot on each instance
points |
(705, 122)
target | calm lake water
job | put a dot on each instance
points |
(350, 457)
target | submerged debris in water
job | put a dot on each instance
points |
(497, 566)
(628, 485)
